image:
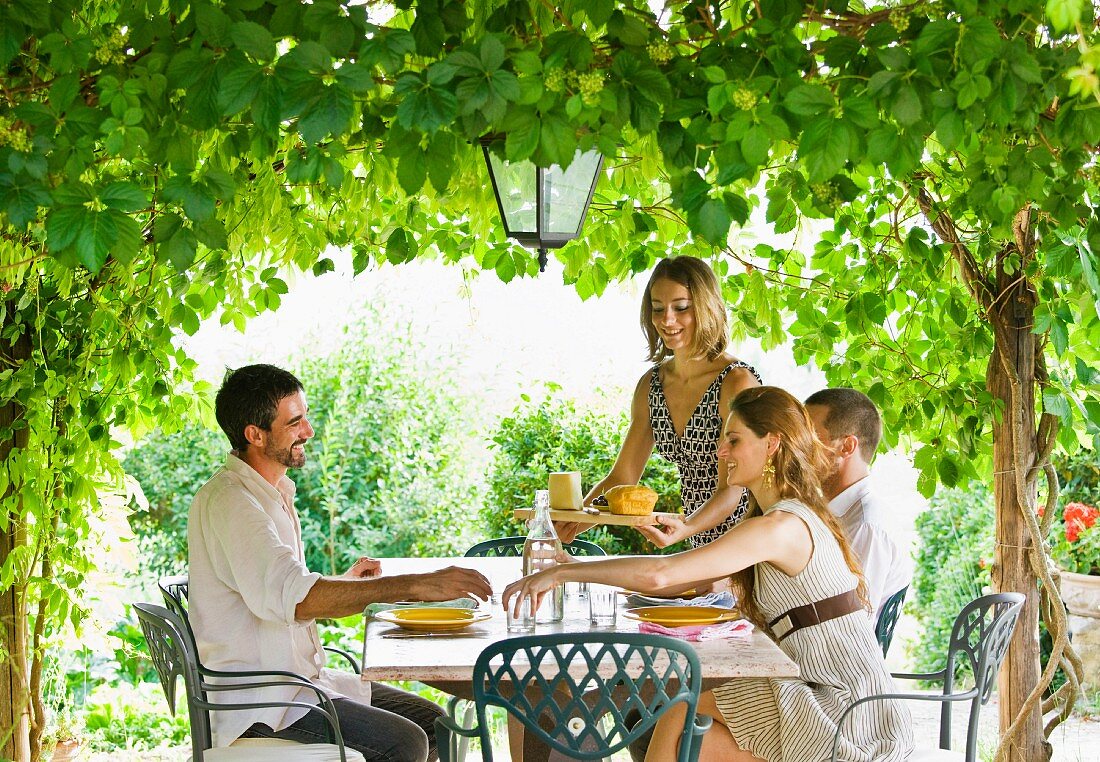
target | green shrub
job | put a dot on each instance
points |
(952, 567)
(1075, 543)
(553, 435)
(391, 464)
(387, 474)
(77, 673)
(133, 717)
(170, 468)
(1080, 477)
(956, 552)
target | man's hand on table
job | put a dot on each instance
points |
(333, 597)
(364, 568)
(450, 583)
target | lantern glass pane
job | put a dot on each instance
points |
(565, 194)
(516, 186)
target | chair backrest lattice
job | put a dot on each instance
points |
(980, 638)
(172, 651)
(513, 546)
(552, 684)
(888, 618)
(979, 641)
(174, 590)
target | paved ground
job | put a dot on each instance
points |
(1077, 740)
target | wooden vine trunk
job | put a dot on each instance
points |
(1012, 570)
(14, 667)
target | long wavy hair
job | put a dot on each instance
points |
(711, 321)
(801, 463)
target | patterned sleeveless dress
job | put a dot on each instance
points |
(696, 452)
(793, 719)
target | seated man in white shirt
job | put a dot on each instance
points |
(848, 422)
(253, 601)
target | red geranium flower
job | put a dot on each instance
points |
(1079, 517)
(1078, 549)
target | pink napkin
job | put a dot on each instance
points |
(738, 628)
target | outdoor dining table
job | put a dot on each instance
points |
(446, 661)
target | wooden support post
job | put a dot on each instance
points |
(1012, 570)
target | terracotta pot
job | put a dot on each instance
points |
(1081, 593)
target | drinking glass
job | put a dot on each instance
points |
(602, 603)
(577, 591)
(523, 623)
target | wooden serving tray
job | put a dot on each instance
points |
(605, 517)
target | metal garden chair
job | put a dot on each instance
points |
(173, 653)
(174, 591)
(979, 641)
(564, 706)
(888, 617)
(513, 546)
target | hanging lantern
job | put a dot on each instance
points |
(543, 208)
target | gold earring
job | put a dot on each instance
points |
(769, 472)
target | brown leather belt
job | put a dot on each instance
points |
(815, 613)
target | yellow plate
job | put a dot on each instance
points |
(681, 616)
(432, 619)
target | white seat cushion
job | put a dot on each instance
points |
(936, 755)
(268, 749)
(263, 742)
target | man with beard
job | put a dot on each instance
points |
(253, 601)
(848, 422)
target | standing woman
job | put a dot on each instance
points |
(788, 554)
(678, 403)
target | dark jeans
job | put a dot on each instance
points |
(398, 726)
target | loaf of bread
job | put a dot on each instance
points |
(631, 499)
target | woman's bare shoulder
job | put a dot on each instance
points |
(766, 528)
(739, 378)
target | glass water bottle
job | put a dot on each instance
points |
(540, 551)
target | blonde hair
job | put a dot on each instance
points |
(711, 322)
(801, 461)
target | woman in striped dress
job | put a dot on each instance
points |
(798, 579)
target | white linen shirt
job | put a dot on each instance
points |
(247, 574)
(886, 568)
